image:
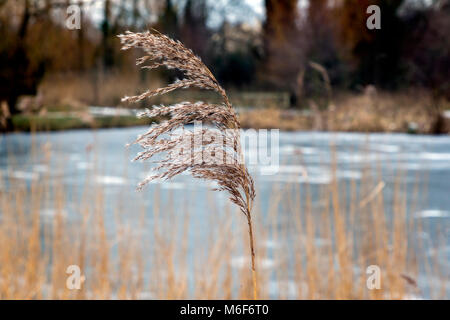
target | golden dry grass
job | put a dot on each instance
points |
(76, 90)
(143, 253)
(386, 112)
(369, 112)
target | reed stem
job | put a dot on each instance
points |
(252, 252)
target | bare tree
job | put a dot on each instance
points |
(284, 50)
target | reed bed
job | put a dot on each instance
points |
(310, 245)
(412, 111)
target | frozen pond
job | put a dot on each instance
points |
(305, 157)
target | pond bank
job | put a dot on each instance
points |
(344, 120)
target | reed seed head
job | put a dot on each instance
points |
(210, 153)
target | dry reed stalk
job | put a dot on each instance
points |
(231, 176)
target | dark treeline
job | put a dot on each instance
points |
(292, 48)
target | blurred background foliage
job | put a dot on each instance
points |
(270, 50)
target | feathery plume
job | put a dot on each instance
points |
(218, 157)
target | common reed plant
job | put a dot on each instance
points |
(217, 155)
